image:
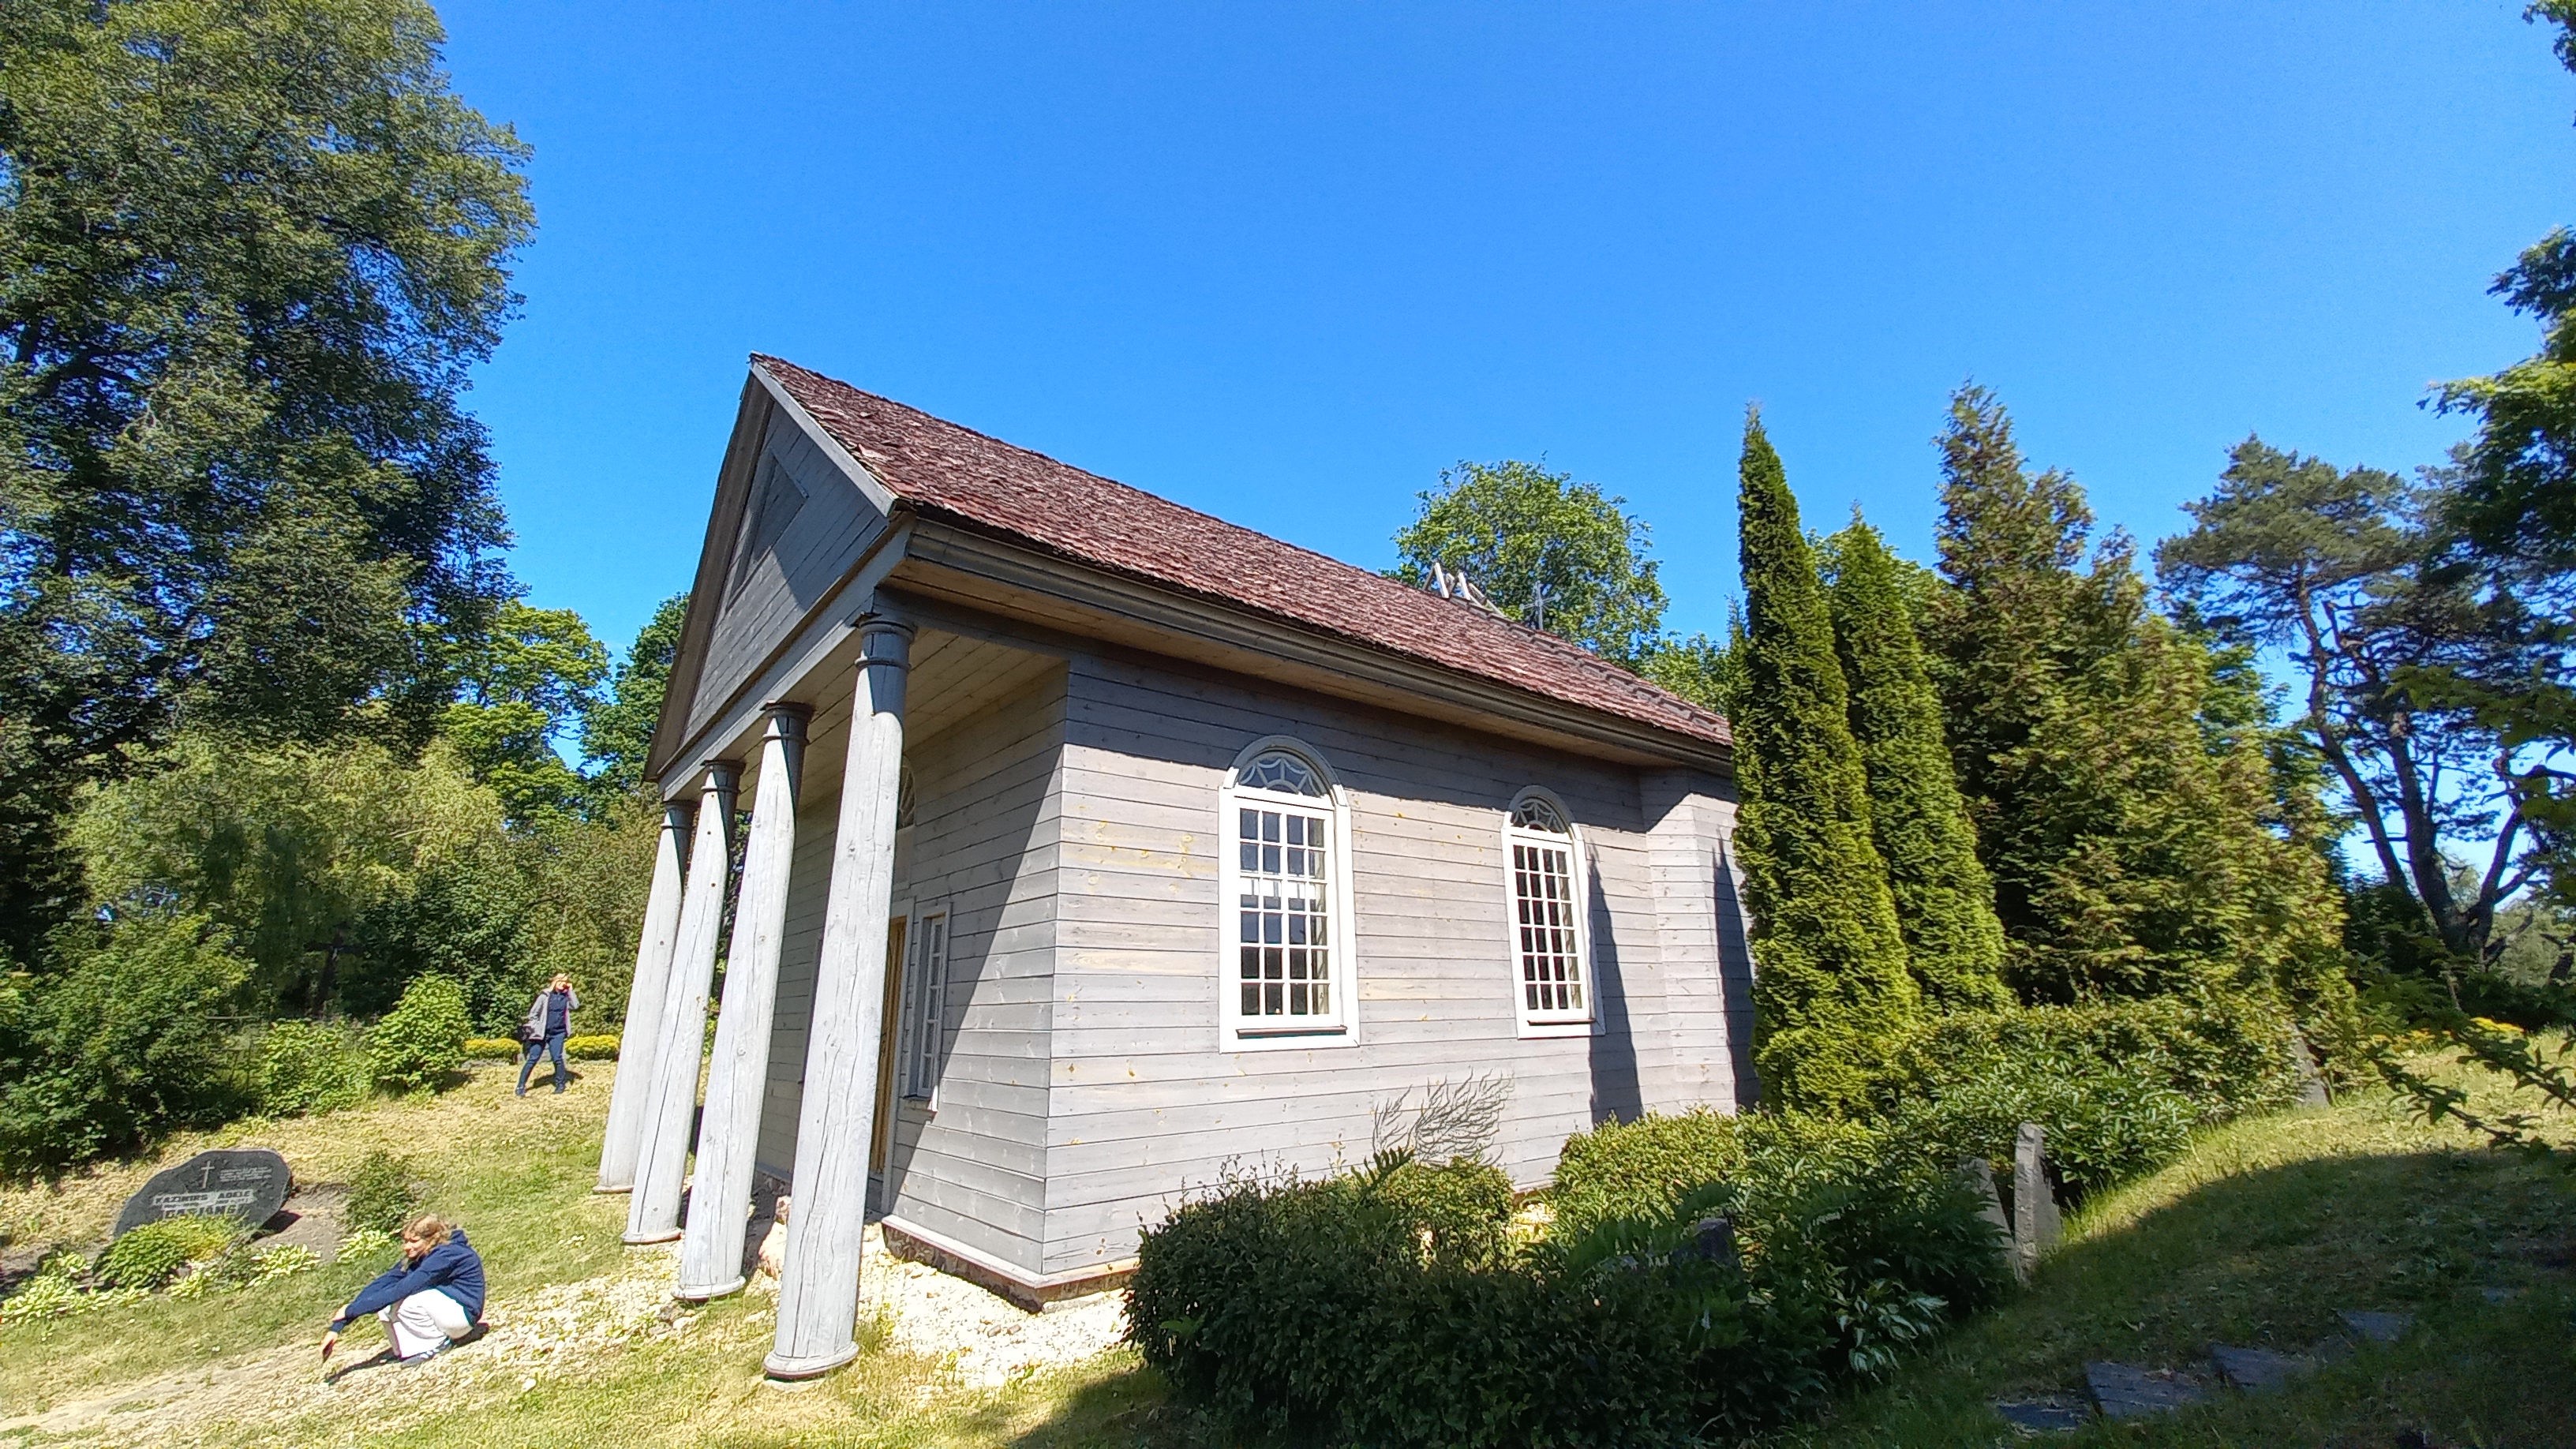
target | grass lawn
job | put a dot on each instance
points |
(2256, 1238)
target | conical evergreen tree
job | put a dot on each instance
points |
(1945, 904)
(1830, 988)
(2132, 845)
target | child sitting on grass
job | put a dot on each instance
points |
(429, 1301)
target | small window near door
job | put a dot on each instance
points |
(925, 1005)
(1547, 928)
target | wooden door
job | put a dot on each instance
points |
(881, 1136)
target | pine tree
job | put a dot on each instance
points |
(1945, 903)
(1831, 986)
(2133, 845)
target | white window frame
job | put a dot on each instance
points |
(1340, 1025)
(1533, 1023)
(923, 1029)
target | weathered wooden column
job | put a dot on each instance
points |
(618, 1149)
(653, 1213)
(818, 1292)
(711, 1245)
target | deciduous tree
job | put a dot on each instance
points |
(1558, 554)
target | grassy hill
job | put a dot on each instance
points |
(2256, 1238)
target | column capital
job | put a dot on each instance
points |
(885, 639)
(789, 713)
(719, 775)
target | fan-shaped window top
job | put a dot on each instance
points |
(1283, 772)
(1535, 813)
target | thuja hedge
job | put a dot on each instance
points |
(1391, 1307)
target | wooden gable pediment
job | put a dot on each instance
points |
(793, 513)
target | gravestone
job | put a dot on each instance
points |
(2257, 1370)
(2126, 1391)
(2312, 1087)
(1978, 1176)
(249, 1183)
(2035, 1218)
(2377, 1327)
(1713, 1241)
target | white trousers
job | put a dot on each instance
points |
(424, 1321)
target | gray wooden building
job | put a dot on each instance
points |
(1095, 844)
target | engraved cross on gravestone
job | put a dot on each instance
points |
(249, 1183)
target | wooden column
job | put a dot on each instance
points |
(711, 1244)
(653, 1213)
(619, 1148)
(818, 1293)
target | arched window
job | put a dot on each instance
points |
(1286, 956)
(1551, 953)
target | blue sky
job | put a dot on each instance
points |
(1284, 263)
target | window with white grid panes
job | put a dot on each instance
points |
(1283, 966)
(1547, 915)
(925, 1001)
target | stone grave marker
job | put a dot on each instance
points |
(2377, 1327)
(2126, 1391)
(249, 1183)
(2035, 1218)
(2257, 1370)
(1978, 1176)
(1713, 1241)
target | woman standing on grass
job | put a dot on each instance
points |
(429, 1301)
(548, 1022)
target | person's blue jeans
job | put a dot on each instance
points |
(552, 1046)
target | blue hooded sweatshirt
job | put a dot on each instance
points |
(453, 1268)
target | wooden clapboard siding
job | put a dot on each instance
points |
(831, 529)
(1146, 1104)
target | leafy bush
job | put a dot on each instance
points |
(126, 1043)
(1644, 1168)
(148, 1256)
(421, 1042)
(601, 1048)
(492, 1048)
(307, 1068)
(2226, 1057)
(243, 1268)
(1369, 1310)
(2104, 1122)
(381, 1198)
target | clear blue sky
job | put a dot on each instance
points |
(1283, 263)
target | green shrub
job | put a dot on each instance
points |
(148, 1256)
(492, 1048)
(128, 1042)
(381, 1198)
(597, 1048)
(1642, 1169)
(419, 1044)
(2104, 1122)
(1345, 1309)
(307, 1068)
(2226, 1057)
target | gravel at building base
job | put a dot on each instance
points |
(994, 1341)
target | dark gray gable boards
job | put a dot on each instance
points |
(249, 1183)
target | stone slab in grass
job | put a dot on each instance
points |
(2126, 1391)
(2045, 1414)
(2377, 1327)
(2257, 1370)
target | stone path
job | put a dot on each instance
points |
(2128, 1391)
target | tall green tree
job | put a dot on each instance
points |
(2137, 845)
(1557, 554)
(1831, 986)
(1944, 901)
(2344, 570)
(531, 679)
(2513, 511)
(617, 730)
(249, 250)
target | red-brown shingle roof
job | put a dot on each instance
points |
(943, 469)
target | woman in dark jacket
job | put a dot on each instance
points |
(548, 1022)
(428, 1301)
